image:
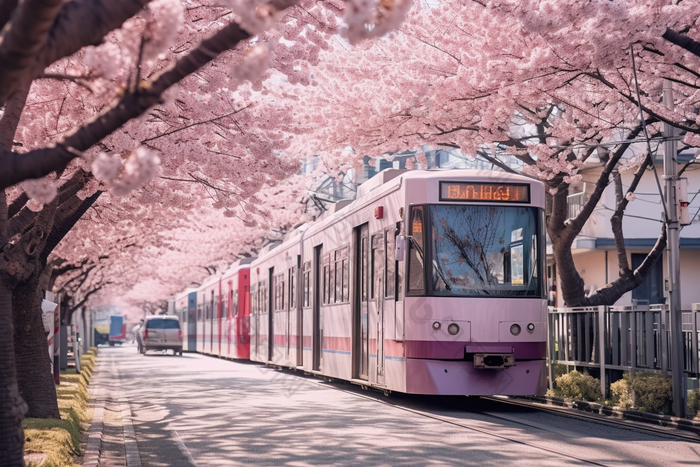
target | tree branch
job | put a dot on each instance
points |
(40, 162)
(26, 34)
(62, 29)
(577, 223)
(682, 41)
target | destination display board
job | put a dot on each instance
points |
(485, 192)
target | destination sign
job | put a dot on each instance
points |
(491, 192)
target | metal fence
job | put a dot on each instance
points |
(630, 339)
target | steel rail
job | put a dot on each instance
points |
(602, 419)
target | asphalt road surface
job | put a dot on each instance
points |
(196, 410)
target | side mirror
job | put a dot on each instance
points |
(400, 251)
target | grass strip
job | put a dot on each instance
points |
(55, 443)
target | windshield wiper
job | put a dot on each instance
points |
(435, 265)
(442, 276)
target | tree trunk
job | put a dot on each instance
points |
(12, 407)
(34, 377)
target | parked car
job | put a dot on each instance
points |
(161, 333)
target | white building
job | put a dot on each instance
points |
(594, 249)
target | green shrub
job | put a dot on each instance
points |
(558, 369)
(653, 393)
(577, 386)
(694, 402)
(622, 393)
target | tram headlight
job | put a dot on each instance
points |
(436, 325)
(453, 329)
(515, 329)
(530, 327)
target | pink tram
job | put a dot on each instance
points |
(430, 282)
(223, 313)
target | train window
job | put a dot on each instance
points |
(326, 279)
(399, 268)
(262, 297)
(345, 274)
(485, 251)
(378, 260)
(307, 284)
(234, 302)
(281, 292)
(416, 252)
(338, 271)
(292, 288)
(364, 268)
(211, 306)
(390, 263)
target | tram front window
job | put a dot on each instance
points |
(485, 251)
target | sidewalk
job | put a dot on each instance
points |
(111, 439)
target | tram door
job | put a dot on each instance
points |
(270, 317)
(192, 321)
(302, 287)
(376, 305)
(361, 345)
(317, 316)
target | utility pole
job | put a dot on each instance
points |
(673, 259)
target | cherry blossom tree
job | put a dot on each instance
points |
(552, 84)
(117, 52)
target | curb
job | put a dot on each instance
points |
(133, 457)
(616, 412)
(94, 442)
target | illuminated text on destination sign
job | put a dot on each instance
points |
(493, 192)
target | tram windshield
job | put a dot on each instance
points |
(484, 251)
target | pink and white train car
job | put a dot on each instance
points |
(430, 282)
(207, 312)
(234, 324)
(223, 313)
(276, 335)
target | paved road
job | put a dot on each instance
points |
(203, 411)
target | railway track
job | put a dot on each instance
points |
(395, 404)
(602, 419)
(412, 405)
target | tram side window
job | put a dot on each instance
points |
(307, 284)
(210, 315)
(292, 288)
(331, 277)
(234, 302)
(378, 262)
(278, 292)
(390, 263)
(399, 268)
(364, 268)
(262, 297)
(416, 252)
(345, 274)
(337, 270)
(283, 305)
(326, 278)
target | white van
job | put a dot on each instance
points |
(161, 333)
